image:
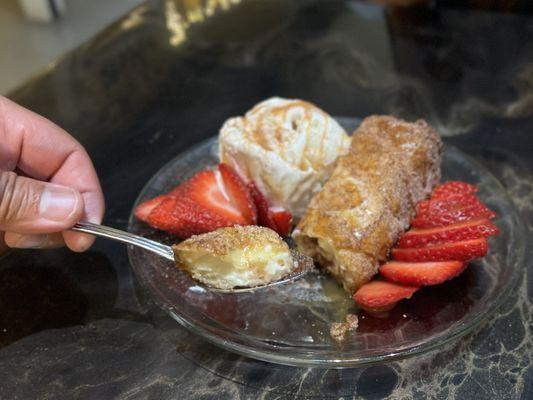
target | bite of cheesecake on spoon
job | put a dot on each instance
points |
(239, 258)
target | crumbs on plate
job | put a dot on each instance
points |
(338, 330)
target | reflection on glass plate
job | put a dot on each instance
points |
(290, 323)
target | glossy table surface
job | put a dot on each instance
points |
(164, 77)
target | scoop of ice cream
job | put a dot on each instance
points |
(287, 147)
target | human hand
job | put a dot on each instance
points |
(47, 183)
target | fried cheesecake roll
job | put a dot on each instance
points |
(368, 201)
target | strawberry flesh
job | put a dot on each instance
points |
(421, 273)
(378, 296)
(238, 193)
(264, 217)
(462, 251)
(207, 189)
(277, 219)
(283, 221)
(473, 229)
(208, 201)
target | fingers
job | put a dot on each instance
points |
(28, 206)
(77, 241)
(42, 150)
(87, 183)
(32, 143)
(36, 241)
(42, 241)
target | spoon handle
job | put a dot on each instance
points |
(125, 237)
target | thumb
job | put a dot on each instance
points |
(31, 206)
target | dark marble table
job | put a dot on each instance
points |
(163, 78)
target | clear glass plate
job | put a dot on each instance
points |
(289, 324)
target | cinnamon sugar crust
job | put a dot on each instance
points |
(224, 240)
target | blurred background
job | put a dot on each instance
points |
(33, 33)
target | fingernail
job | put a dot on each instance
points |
(28, 241)
(57, 203)
(84, 242)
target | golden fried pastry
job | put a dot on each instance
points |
(235, 256)
(287, 147)
(368, 201)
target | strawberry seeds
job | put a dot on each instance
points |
(449, 230)
(210, 200)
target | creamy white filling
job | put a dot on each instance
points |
(243, 268)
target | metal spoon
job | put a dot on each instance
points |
(303, 263)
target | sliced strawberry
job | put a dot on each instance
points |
(453, 202)
(277, 219)
(197, 219)
(450, 218)
(473, 229)
(264, 216)
(441, 205)
(449, 211)
(462, 251)
(162, 216)
(421, 273)
(144, 209)
(207, 189)
(184, 218)
(379, 296)
(283, 221)
(238, 193)
(451, 188)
